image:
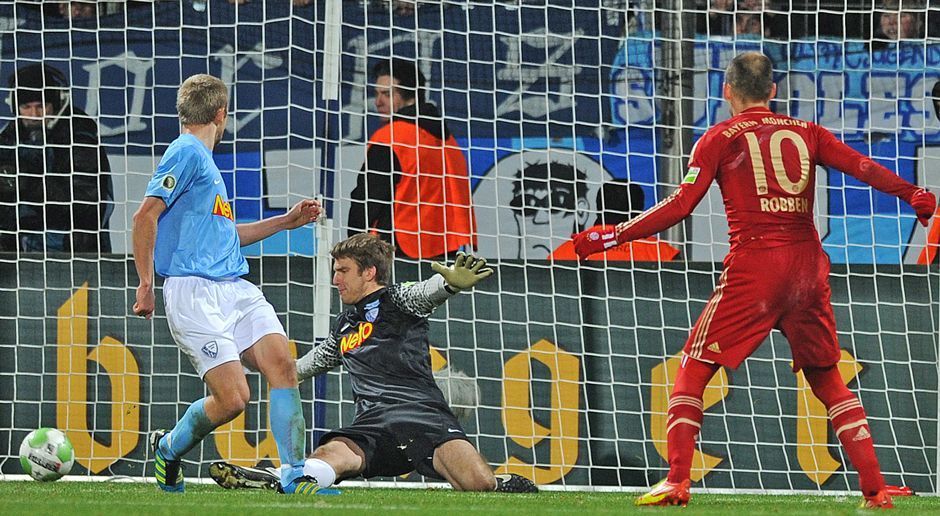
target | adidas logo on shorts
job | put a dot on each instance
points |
(211, 349)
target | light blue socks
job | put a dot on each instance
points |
(193, 427)
(287, 425)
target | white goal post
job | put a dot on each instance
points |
(563, 111)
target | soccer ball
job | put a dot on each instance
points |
(46, 454)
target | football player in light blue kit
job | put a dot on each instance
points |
(185, 230)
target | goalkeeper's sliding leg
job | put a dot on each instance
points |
(340, 457)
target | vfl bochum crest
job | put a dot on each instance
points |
(211, 349)
(372, 311)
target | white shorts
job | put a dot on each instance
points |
(214, 322)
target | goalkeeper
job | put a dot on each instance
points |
(776, 274)
(403, 422)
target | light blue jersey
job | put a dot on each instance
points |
(196, 234)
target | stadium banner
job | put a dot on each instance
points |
(567, 394)
(509, 80)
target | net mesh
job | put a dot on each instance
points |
(563, 111)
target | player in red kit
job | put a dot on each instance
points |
(776, 274)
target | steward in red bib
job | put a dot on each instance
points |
(413, 189)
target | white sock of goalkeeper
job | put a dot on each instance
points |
(320, 471)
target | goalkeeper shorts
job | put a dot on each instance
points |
(783, 287)
(214, 322)
(398, 438)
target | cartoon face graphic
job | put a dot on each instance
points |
(530, 202)
(549, 204)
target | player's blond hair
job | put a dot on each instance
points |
(750, 75)
(199, 98)
(367, 250)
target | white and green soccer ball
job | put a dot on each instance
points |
(46, 454)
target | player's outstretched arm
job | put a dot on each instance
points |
(465, 273)
(144, 235)
(304, 212)
(319, 360)
(422, 297)
(667, 213)
(836, 153)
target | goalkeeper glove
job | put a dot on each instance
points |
(466, 272)
(924, 204)
(595, 240)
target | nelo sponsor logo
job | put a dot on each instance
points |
(222, 208)
(353, 340)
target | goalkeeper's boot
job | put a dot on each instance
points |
(880, 500)
(231, 476)
(667, 493)
(169, 473)
(307, 486)
(513, 483)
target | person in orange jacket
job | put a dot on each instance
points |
(413, 189)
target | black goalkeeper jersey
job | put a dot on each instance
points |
(382, 342)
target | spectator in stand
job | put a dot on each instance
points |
(930, 252)
(83, 9)
(747, 24)
(896, 24)
(935, 93)
(414, 189)
(933, 22)
(755, 17)
(56, 174)
(297, 3)
(78, 10)
(720, 19)
(764, 18)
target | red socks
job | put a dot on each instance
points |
(685, 415)
(848, 420)
(845, 411)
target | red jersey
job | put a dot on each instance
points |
(765, 165)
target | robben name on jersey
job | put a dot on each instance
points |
(196, 234)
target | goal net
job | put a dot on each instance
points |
(566, 114)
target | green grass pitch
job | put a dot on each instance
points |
(110, 498)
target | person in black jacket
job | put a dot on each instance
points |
(935, 93)
(55, 182)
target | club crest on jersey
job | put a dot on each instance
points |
(372, 311)
(222, 208)
(355, 339)
(211, 349)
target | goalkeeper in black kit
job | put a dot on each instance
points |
(403, 422)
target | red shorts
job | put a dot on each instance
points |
(784, 287)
